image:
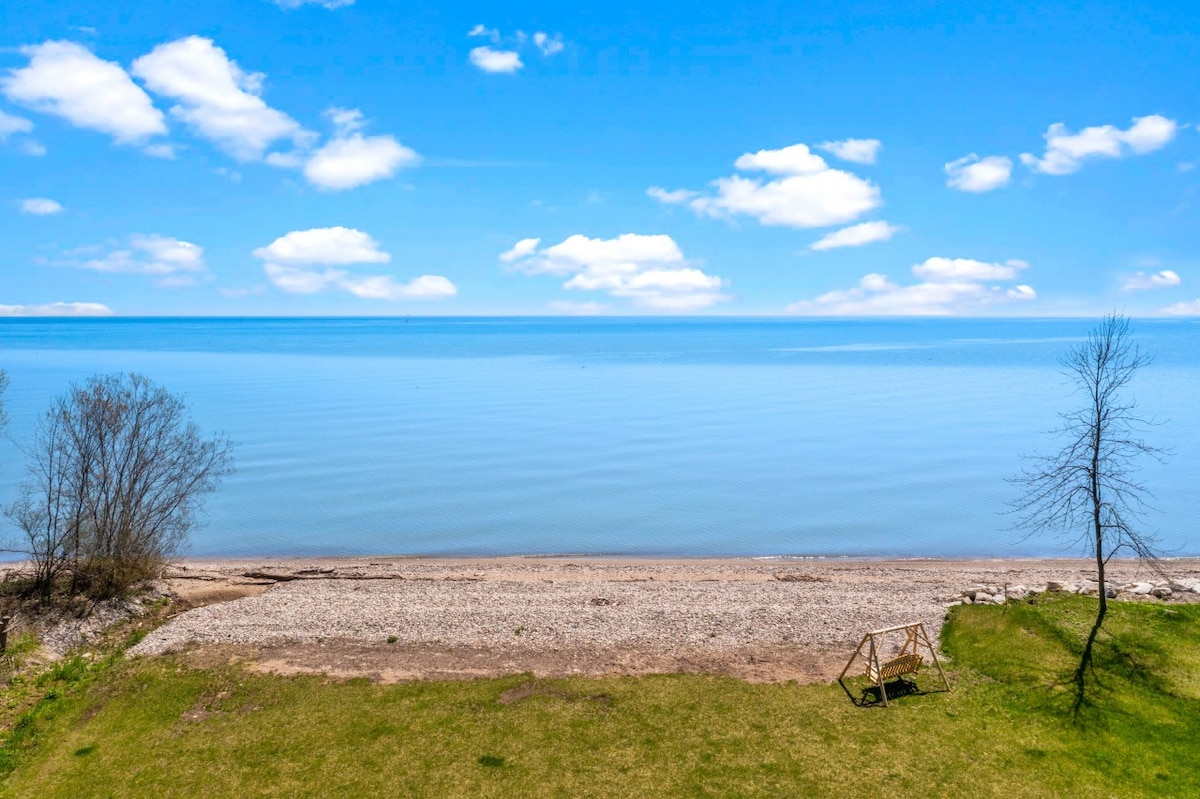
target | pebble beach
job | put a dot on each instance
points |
(761, 619)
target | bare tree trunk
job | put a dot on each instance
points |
(1085, 661)
(1090, 484)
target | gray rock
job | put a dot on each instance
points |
(983, 598)
(1141, 589)
(1162, 592)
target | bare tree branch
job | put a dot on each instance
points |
(1089, 491)
(116, 478)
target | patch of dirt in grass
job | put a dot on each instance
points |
(91, 712)
(531, 689)
(393, 663)
(198, 714)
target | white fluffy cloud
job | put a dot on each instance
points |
(505, 56)
(951, 270)
(860, 151)
(385, 287)
(857, 235)
(216, 98)
(522, 249)
(486, 32)
(57, 309)
(949, 286)
(1154, 280)
(496, 61)
(172, 262)
(356, 160)
(10, 124)
(649, 271)
(974, 174)
(676, 197)
(806, 193)
(1182, 309)
(325, 245)
(291, 263)
(41, 206)
(351, 159)
(1066, 151)
(549, 45)
(69, 81)
(796, 159)
(164, 151)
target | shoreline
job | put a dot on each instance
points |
(230, 560)
(396, 618)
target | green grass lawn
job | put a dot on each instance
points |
(155, 728)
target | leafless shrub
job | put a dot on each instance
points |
(116, 477)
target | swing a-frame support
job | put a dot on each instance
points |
(907, 661)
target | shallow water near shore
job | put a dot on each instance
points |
(685, 437)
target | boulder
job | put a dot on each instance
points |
(1161, 591)
(1141, 589)
(983, 598)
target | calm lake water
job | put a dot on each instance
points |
(618, 436)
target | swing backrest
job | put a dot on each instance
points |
(905, 664)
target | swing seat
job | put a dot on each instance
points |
(905, 664)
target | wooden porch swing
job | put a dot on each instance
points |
(907, 661)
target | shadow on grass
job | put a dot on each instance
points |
(870, 696)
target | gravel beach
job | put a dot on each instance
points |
(395, 619)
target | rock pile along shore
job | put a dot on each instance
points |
(1185, 590)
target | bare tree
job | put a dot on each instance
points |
(50, 506)
(117, 475)
(1089, 489)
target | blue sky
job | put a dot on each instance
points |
(244, 157)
